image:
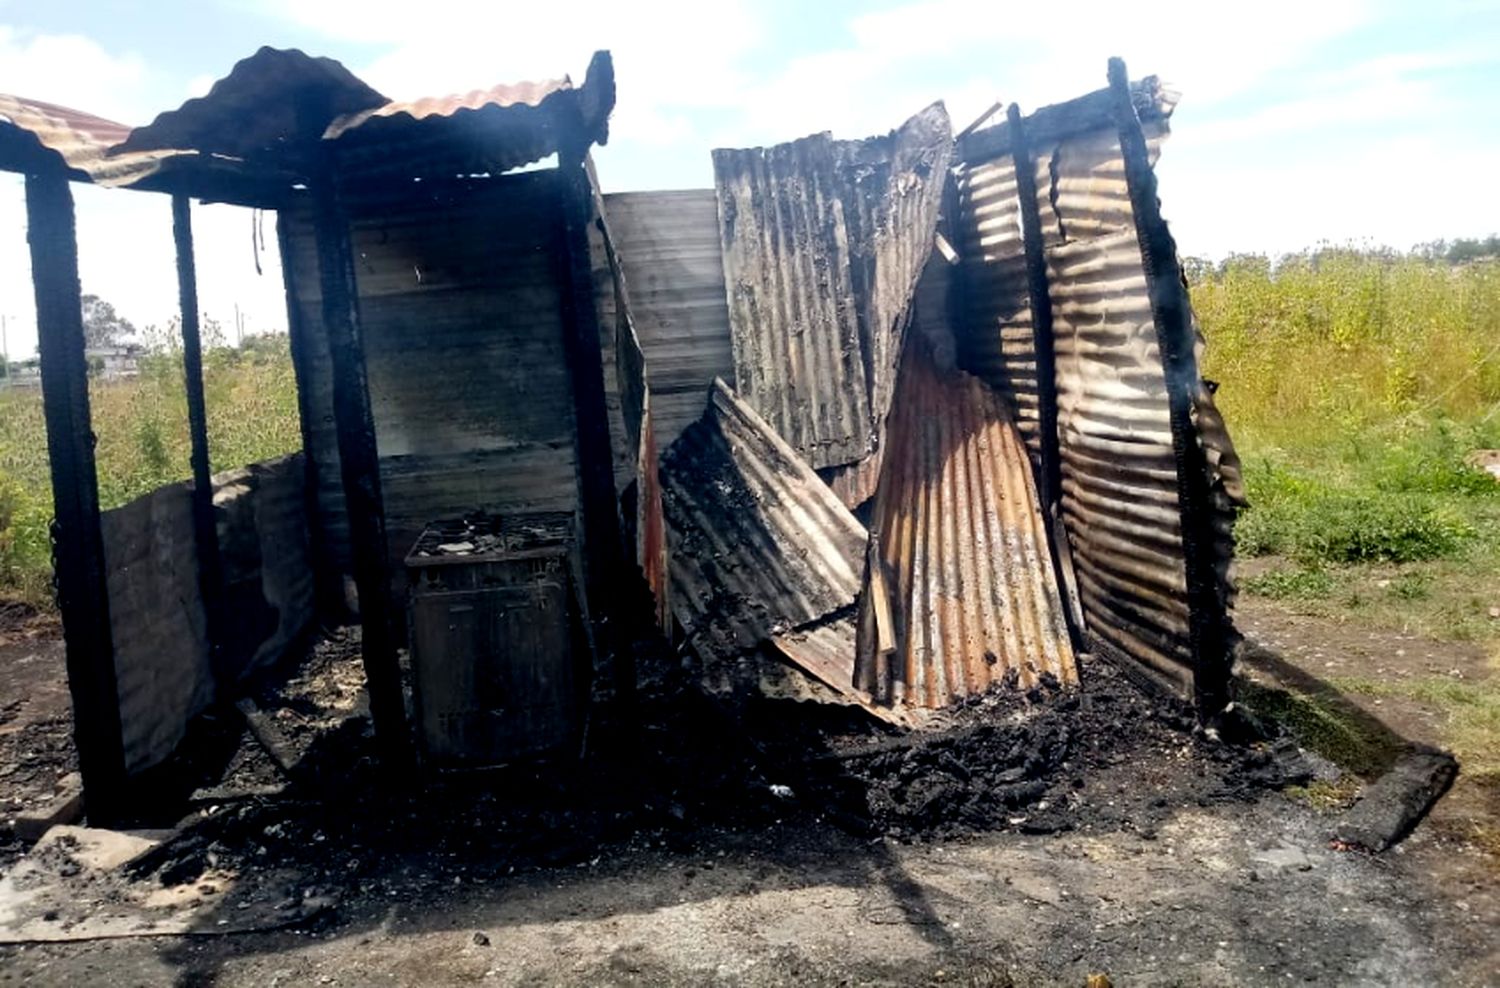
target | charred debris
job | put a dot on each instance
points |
(908, 431)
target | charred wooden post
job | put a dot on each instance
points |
(360, 467)
(78, 540)
(1207, 620)
(327, 582)
(603, 552)
(205, 532)
(1039, 299)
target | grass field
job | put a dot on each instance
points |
(141, 425)
(1356, 386)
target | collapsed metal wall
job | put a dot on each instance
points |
(1120, 497)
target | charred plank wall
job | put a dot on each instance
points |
(463, 332)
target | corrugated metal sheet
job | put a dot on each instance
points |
(486, 131)
(1080, 194)
(1153, 99)
(1120, 503)
(826, 652)
(260, 107)
(792, 316)
(961, 592)
(823, 242)
(1119, 476)
(668, 245)
(760, 546)
(383, 118)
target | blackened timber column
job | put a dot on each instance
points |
(360, 468)
(78, 541)
(603, 553)
(1207, 621)
(205, 532)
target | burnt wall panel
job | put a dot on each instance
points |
(469, 381)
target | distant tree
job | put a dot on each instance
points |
(102, 325)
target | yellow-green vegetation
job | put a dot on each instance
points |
(141, 424)
(1356, 385)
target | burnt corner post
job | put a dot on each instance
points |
(360, 467)
(604, 554)
(1039, 298)
(1208, 622)
(205, 531)
(78, 539)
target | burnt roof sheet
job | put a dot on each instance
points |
(823, 242)
(759, 544)
(274, 98)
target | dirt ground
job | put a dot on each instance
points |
(1038, 839)
(36, 726)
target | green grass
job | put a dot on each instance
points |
(143, 443)
(1473, 709)
(1356, 386)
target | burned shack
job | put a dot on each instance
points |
(886, 423)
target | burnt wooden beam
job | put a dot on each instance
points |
(78, 540)
(1207, 621)
(327, 581)
(1050, 124)
(205, 532)
(360, 467)
(604, 572)
(1039, 299)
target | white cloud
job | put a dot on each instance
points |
(75, 71)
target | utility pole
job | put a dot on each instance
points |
(5, 347)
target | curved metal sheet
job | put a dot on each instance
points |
(261, 106)
(959, 550)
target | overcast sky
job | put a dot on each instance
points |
(1301, 121)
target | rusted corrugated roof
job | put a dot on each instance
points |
(964, 594)
(44, 132)
(398, 114)
(485, 131)
(273, 100)
(759, 545)
(823, 242)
